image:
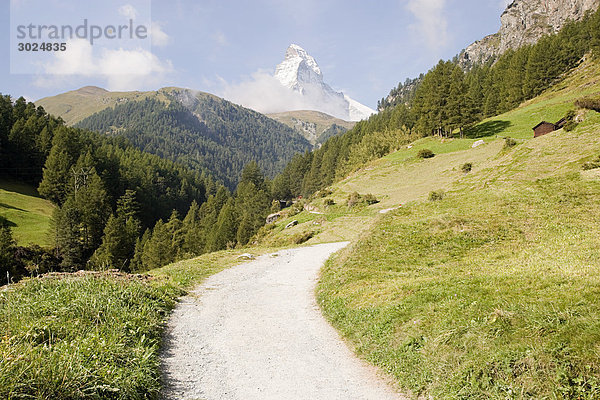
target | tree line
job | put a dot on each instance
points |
(117, 206)
(446, 101)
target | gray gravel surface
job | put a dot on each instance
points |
(255, 332)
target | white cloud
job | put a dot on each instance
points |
(264, 93)
(159, 37)
(121, 69)
(128, 11)
(430, 22)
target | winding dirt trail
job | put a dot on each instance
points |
(255, 332)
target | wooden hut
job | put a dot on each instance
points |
(543, 128)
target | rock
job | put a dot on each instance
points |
(525, 22)
(293, 223)
(273, 217)
(246, 256)
(477, 143)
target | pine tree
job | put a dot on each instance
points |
(57, 174)
(225, 231)
(68, 236)
(115, 250)
(245, 230)
(193, 235)
(7, 247)
(158, 250)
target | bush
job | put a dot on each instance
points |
(425, 153)
(353, 199)
(509, 142)
(329, 202)
(570, 125)
(300, 238)
(324, 193)
(589, 103)
(466, 167)
(591, 164)
(370, 199)
(275, 206)
(436, 195)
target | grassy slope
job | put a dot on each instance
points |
(28, 214)
(76, 105)
(492, 292)
(550, 106)
(93, 336)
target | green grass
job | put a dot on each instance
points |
(551, 106)
(82, 337)
(93, 336)
(491, 292)
(28, 214)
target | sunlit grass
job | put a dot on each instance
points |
(28, 214)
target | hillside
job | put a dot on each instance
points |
(315, 126)
(27, 214)
(488, 287)
(199, 130)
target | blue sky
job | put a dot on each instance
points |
(363, 47)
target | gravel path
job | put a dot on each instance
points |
(255, 332)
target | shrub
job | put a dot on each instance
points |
(466, 167)
(329, 202)
(589, 103)
(425, 153)
(370, 199)
(300, 238)
(353, 199)
(436, 195)
(570, 125)
(324, 193)
(275, 206)
(591, 164)
(509, 142)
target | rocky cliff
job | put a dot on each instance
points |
(524, 22)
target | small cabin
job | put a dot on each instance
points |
(543, 128)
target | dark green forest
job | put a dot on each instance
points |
(446, 101)
(117, 206)
(202, 132)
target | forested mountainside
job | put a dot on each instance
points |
(198, 130)
(116, 206)
(524, 22)
(448, 102)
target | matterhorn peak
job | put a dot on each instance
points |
(298, 67)
(300, 72)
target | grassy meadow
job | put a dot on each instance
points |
(491, 292)
(28, 214)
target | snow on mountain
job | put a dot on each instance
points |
(300, 73)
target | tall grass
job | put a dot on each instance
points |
(90, 337)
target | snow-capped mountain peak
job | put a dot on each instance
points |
(298, 67)
(300, 72)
